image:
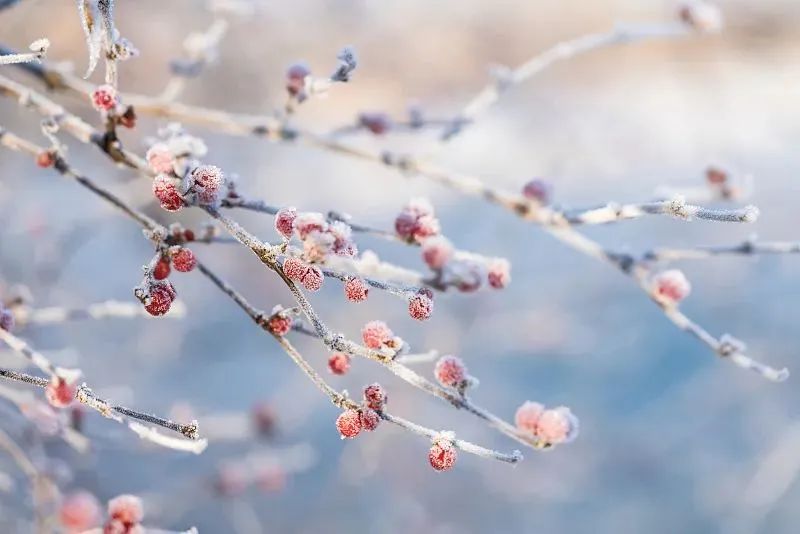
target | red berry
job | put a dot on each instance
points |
(80, 511)
(45, 159)
(537, 190)
(442, 455)
(375, 397)
(59, 392)
(499, 273)
(349, 424)
(339, 363)
(295, 268)
(104, 98)
(160, 298)
(279, 324)
(416, 221)
(716, 176)
(369, 419)
(184, 260)
(6, 319)
(126, 509)
(376, 334)
(166, 192)
(450, 371)
(188, 235)
(313, 278)
(284, 221)
(356, 290)
(160, 159)
(420, 307)
(162, 269)
(207, 182)
(436, 252)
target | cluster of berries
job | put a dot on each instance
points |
(80, 511)
(319, 237)
(106, 100)
(367, 417)
(549, 426)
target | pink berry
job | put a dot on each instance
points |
(436, 252)
(160, 159)
(356, 290)
(295, 268)
(537, 190)
(442, 455)
(284, 221)
(450, 371)
(184, 260)
(295, 78)
(45, 158)
(416, 221)
(404, 225)
(160, 298)
(6, 319)
(166, 192)
(104, 98)
(308, 222)
(671, 285)
(348, 424)
(339, 363)
(376, 334)
(369, 419)
(207, 182)
(427, 226)
(59, 392)
(162, 269)
(279, 324)
(375, 396)
(556, 426)
(499, 273)
(80, 511)
(313, 278)
(420, 307)
(377, 123)
(127, 509)
(527, 416)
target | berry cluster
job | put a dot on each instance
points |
(367, 417)
(125, 514)
(298, 270)
(319, 237)
(549, 426)
(416, 221)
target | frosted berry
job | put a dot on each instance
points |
(308, 222)
(442, 455)
(671, 285)
(416, 221)
(45, 158)
(80, 511)
(296, 79)
(499, 273)
(284, 221)
(6, 319)
(527, 416)
(348, 424)
(166, 192)
(376, 334)
(450, 371)
(369, 419)
(184, 260)
(160, 298)
(556, 426)
(59, 392)
(537, 190)
(207, 182)
(295, 268)
(436, 252)
(377, 123)
(126, 509)
(188, 235)
(162, 269)
(375, 396)
(160, 159)
(420, 307)
(104, 98)
(356, 290)
(339, 363)
(279, 324)
(313, 278)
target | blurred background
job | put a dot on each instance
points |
(672, 439)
